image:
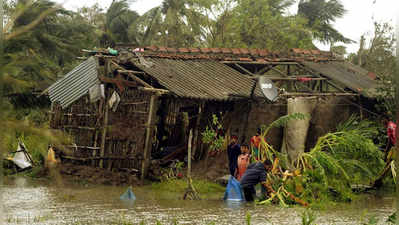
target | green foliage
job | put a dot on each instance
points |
(392, 218)
(342, 158)
(267, 151)
(320, 15)
(35, 47)
(176, 23)
(211, 136)
(261, 24)
(326, 172)
(378, 56)
(248, 218)
(118, 18)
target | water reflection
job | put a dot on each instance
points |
(28, 202)
(234, 204)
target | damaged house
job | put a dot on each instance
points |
(121, 110)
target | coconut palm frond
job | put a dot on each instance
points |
(331, 164)
(354, 165)
(282, 121)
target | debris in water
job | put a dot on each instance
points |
(22, 158)
(128, 195)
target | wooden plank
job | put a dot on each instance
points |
(82, 147)
(97, 158)
(130, 71)
(260, 63)
(160, 91)
(78, 127)
(291, 78)
(132, 103)
(147, 146)
(264, 70)
(116, 81)
(318, 94)
(278, 71)
(138, 80)
(245, 70)
(79, 114)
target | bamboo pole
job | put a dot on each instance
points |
(104, 135)
(147, 146)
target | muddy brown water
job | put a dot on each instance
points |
(32, 202)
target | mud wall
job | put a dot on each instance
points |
(329, 112)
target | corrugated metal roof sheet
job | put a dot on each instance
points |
(205, 79)
(75, 84)
(351, 76)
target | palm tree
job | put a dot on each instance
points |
(118, 18)
(43, 39)
(320, 15)
(176, 23)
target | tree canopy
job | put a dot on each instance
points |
(50, 37)
(320, 15)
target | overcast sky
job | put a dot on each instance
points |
(357, 21)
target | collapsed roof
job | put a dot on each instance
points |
(206, 73)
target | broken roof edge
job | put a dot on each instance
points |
(233, 54)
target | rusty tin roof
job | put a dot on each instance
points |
(351, 76)
(203, 79)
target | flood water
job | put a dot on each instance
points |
(32, 202)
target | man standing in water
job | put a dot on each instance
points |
(233, 151)
(256, 173)
(391, 132)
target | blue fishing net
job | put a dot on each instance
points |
(128, 195)
(233, 190)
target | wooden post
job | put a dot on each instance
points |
(190, 137)
(94, 152)
(104, 135)
(360, 108)
(51, 117)
(147, 146)
(196, 131)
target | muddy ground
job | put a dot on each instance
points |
(215, 167)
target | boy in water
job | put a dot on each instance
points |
(233, 151)
(242, 161)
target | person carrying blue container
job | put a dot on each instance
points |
(256, 173)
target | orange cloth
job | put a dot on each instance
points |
(255, 144)
(255, 141)
(242, 163)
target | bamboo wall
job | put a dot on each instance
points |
(124, 141)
